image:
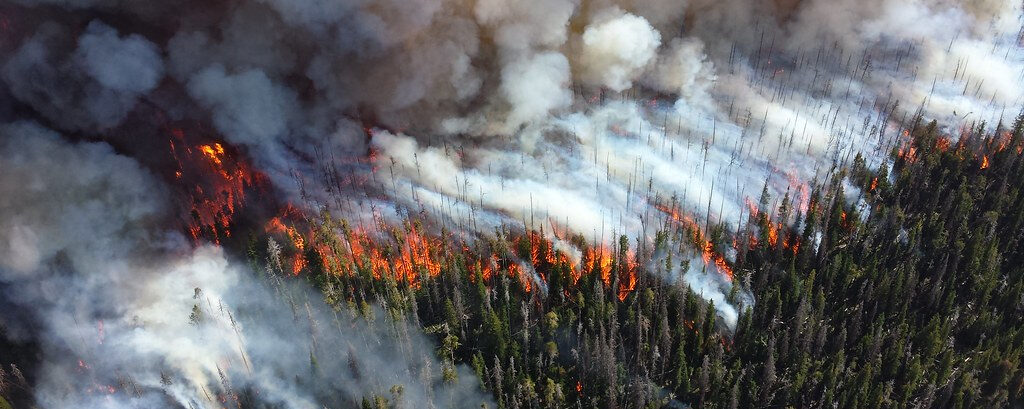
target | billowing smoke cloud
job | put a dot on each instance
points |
(684, 70)
(579, 116)
(127, 314)
(535, 87)
(89, 87)
(248, 109)
(616, 49)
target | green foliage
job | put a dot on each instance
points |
(916, 300)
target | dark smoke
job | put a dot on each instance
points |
(568, 114)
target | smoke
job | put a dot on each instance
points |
(248, 109)
(587, 117)
(751, 101)
(129, 315)
(92, 86)
(684, 70)
(535, 87)
(616, 48)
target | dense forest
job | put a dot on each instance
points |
(913, 299)
(896, 287)
(511, 204)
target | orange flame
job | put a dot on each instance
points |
(708, 253)
(417, 253)
(754, 211)
(489, 268)
(214, 181)
(534, 248)
(627, 285)
(214, 152)
(773, 233)
(515, 271)
(908, 154)
(803, 191)
(277, 226)
(599, 258)
(1004, 140)
(408, 255)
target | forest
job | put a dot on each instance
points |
(511, 204)
(891, 287)
(913, 300)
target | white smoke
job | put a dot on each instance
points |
(684, 70)
(575, 114)
(778, 101)
(93, 86)
(617, 47)
(111, 294)
(534, 87)
(248, 109)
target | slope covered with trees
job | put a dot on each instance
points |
(914, 298)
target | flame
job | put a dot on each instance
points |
(489, 268)
(627, 285)
(103, 389)
(708, 253)
(215, 183)
(795, 246)
(600, 259)
(277, 226)
(773, 233)
(790, 241)
(984, 162)
(909, 154)
(214, 152)
(515, 271)
(754, 211)
(534, 248)
(410, 255)
(874, 184)
(1004, 141)
(298, 263)
(374, 260)
(560, 258)
(804, 198)
(416, 253)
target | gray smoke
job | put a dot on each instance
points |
(576, 115)
(127, 314)
(91, 86)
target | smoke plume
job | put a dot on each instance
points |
(596, 118)
(120, 303)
